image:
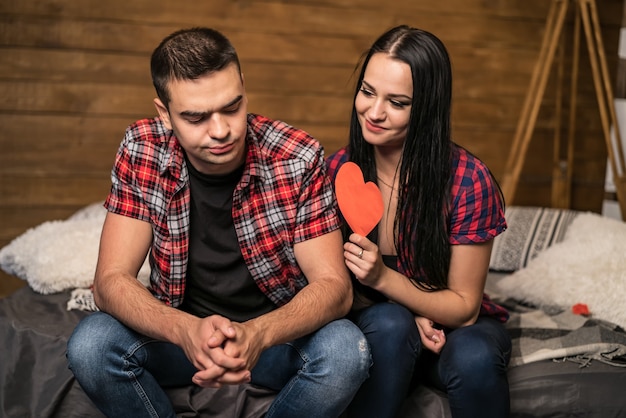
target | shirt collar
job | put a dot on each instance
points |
(174, 161)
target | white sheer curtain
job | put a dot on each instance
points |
(610, 205)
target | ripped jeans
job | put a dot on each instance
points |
(124, 373)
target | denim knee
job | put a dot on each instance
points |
(317, 374)
(347, 350)
(475, 351)
(394, 342)
(389, 328)
(472, 360)
(111, 363)
(472, 367)
(89, 348)
(88, 339)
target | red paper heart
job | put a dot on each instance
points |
(361, 203)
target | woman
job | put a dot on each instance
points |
(420, 275)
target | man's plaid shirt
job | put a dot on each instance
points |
(476, 212)
(284, 197)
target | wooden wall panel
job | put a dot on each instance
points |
(74, 74)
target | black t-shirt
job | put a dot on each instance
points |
(218, 280)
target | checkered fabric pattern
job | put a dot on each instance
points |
(476, 212)
(283, 198)
(552, 333)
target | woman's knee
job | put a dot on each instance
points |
(471, 352)
(389, 325)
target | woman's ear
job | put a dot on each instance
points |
(164, 114)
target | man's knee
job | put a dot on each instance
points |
(90, 340)
(347, 349)
(85, 337)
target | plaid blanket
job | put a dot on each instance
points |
(82, 299)
(554, 333)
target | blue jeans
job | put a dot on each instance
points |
(395, 345)
(124, 373)
(471, 367)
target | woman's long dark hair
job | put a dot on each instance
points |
(421, 221)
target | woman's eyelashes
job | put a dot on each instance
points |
(395, 103)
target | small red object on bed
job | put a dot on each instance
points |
(581, 309)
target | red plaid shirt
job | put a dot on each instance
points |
(284, 197)
(476, 213)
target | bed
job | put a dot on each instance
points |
(561, 274)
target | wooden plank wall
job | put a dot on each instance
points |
(74, 74)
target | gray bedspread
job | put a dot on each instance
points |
(35, 381)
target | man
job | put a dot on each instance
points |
(247, 281)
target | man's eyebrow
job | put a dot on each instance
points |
(233, 102)
(191, 113)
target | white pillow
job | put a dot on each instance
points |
(59, 255)
(530, 230)
(588, 266)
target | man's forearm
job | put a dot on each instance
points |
(313, 307)
(125, 298)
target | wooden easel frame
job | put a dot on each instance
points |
(586, 13)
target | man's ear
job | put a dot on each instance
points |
(164, 114)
